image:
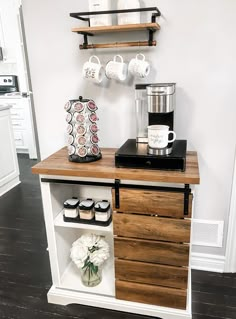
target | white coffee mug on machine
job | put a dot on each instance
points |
(93, 71)
(158, 136)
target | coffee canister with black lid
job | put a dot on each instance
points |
(102, 211)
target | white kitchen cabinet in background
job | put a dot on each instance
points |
(9, 170)
(22, 125)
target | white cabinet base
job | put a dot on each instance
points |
(67, 288)
(9, 170)
(66, 297)
(7, 187)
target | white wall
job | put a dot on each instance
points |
(196, 49)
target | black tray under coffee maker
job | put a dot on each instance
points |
(135, 155)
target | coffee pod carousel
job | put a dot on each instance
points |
(82, 129)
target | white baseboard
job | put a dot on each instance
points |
(207, 262)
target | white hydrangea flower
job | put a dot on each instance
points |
(79, 254)
(98, 257)
(89, 248)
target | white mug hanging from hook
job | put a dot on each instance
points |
(139, 67)
(128, 18)
(117, 70)
(100, 19)
(93, 71)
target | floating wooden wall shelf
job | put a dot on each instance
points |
(151, 27)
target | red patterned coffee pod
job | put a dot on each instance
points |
(68, 118)
(93, 117)
(69, 128)
(70, 139)
(95, 150)
(93, 128)
(94, 139)
(78, 107)
(92, 106)
(81, 130)
(81, 140)
(80, 118)
(82, 151)
(71, 150)
(67, 106)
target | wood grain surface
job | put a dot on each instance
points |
(117, 45)
(154, 295)
(153, 274)
(161, 203)
(152, 251)
(151, 227)
(58, 164)
(118, 28)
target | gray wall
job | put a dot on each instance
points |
(196, 49)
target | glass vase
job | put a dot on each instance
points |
(91, 276)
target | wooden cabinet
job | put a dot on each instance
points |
(149, 242)
(148, 271)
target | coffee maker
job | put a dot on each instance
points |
(154, 105)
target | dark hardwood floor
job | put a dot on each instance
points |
(25, 274)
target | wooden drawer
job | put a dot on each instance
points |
(148, 202)
(153, 274)
(152, 251)
(148, 294)
(151, 227)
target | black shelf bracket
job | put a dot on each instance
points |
(187, 191)
(117, 193)
(150, 38)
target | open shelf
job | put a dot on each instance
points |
(71, 280)
(151, 27)
(117, 28)
(59, 222)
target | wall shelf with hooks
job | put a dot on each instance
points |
(151, 27)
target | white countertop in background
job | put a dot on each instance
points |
(4, 107)
(10, 97)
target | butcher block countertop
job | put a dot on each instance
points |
(58, 164)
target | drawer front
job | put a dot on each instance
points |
(18, 124)
(152, 251)
(151, 227)
(148, 202)
(20, 139)
(17, 113)
(153, 274)
(149, 294)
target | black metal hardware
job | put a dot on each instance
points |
(112, 184)
(187, 191)
(150, 39)
(117, 193)
(117, 185)
(79, 15)
(69, 182)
